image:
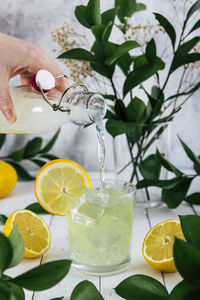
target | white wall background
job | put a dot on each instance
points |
(33, 21)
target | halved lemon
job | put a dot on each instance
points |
(157, 246)
(57, 181)
(33, 229)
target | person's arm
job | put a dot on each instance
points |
(25, 59)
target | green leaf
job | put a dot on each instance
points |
(135, 110)
(141, 74)
(185, 291)
(80, 13)
(49, 156)
(186, 257)
(186, 59)
(150, 167)
(36, 208)
(126, 8)
(190, 225)
(51, 143)
(190, 153)
(192, 10)
(108, 16)
(21, 172)
(195, 27)
(6, 253)
(86, 290)
(167, 165)
(168, 27)
(140, 61)
(124, 63)
(121, 50)
(58, 298)
(93, 14)
(102, 31)
(18, 155)
(3, 219)
(5, 292)
(33, 147)
(10, 291)
(139, 287)
(109, 96)
(38, 162)
(44, 276)
(2, 139)
(151, 51)
(98, 50)
(187, 46)
(182, 57)
(79, 54)
(140, 6)
(174, 196)
(17, 243)
(193, 198)
(117, 127)
(166, 184)
(120, 109)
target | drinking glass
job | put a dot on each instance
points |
(100, 228)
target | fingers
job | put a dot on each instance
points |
(6, 105)
(38, 59)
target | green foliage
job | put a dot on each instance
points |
(175, 190)
(168, 28)
(33, 152)
(36, 208)
(85, 290)
(126, 8)
(150, 167)
(141, 287)
(121, 50)
(3, 219)
(17, 244)
(42, 277)
(142, 120)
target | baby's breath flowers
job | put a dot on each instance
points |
(67, 38)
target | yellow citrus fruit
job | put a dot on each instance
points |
(57, 181)
(157, 246)
(8, 178)
(33, 229)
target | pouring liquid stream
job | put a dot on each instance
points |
(101, 151)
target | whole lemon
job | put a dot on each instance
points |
(8, 178)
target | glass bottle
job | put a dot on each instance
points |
(40, 108)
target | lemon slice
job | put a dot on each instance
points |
(157, 246)
(56, 181)
(33, 229)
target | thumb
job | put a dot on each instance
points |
(6, 105)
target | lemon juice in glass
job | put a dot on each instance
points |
(100, 228)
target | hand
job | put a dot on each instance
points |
(25, 59)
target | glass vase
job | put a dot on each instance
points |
(147, 197)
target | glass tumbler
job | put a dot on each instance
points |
(100, 228)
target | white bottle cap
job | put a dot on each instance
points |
(45, 80)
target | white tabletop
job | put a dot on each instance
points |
(143, 220)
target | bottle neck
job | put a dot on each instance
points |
(86, 107)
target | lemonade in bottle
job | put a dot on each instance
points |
(41, 108)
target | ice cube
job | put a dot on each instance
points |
(88, 213)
